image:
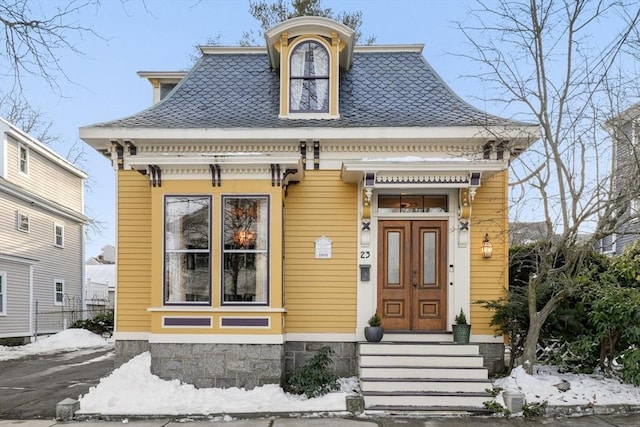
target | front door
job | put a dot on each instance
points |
(412, 275)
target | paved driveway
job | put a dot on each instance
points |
(31, 387)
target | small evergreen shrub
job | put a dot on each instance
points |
(496, 408)
(534, 410)
(375, 320)
(630, 360)
(99, 324)
(315, 378)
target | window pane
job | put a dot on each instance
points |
(245, 224)
(187, 258)
(309, 83)
(393, 258)
(429, 257)
(187, 223)
(187, 277)
(245, 277)
(246, 243)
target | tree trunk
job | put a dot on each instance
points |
(529, 357)
(536, 320)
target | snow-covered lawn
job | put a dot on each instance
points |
(133, 390)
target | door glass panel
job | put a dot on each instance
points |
(393, 258)
(429, 257)
(412, 203)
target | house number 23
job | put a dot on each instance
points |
(365, 254)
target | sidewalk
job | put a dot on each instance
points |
(622, 420)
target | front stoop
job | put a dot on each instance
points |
(412, 376)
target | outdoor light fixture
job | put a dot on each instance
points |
(487, 247)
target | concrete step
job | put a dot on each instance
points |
(425, 399)
(436, 338)
(421, 361)
(416, 372)
(418, 348)
(393, 385)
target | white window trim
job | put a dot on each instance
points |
(26, 161)
(3, 293)
(55, 235)
(55, 292)
(20, 214)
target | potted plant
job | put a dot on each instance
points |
(461, 329)
(374, 332)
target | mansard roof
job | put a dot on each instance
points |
(385, 87)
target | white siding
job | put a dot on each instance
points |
(45, 178)
(15, 322)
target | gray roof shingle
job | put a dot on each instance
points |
(382, 89)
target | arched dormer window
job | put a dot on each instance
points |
(309, 78)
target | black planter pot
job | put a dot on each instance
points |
(373, 333)
(461, 334)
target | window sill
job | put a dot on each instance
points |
(309, 116)
(225, 309)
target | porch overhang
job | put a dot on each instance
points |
(418, 172)
(281, 170)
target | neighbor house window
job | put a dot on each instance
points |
(3, 293)
(23, 159)
(23, 222)
(58, 238)
(309, 78)
(58, 297)
(245, 249)
(187, 250)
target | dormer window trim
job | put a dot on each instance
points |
(303, 79)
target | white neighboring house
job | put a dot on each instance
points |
(100, 281)
(41, 237)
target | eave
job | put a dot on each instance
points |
(519, 137)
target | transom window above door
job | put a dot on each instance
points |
(412, 203)
(309, 78)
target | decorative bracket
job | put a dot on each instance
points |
(316, 155)
(276, 175)
(156, 175)
(216, 181)
(474, 183)
(118, 160)
(303, 154)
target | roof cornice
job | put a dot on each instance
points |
(101, 137)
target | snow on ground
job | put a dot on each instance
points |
(121, 392)
(133, 390)
(585, 389)
(67, 340)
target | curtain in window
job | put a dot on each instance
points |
(309, 83)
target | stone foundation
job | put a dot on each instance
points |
(493, 357)
(345, 361)
(127, 350)
(218, 365)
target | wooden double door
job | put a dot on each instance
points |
(412, 275)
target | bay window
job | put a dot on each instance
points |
(187, 250)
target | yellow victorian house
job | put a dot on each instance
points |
(272, 199)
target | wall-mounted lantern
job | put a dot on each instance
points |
(487, 247)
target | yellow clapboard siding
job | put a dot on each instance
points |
(489, 277)
(321, 294)
(134, 251)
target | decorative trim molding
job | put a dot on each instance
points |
(215, 339)
(421, 179)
